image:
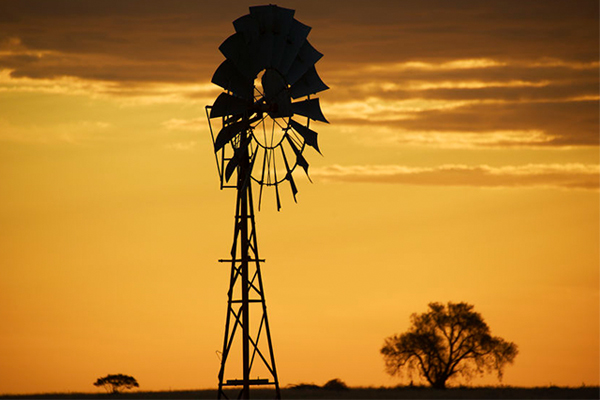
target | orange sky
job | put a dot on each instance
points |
(460, 164)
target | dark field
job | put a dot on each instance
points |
(352, 393)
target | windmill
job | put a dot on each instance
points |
(262, 128)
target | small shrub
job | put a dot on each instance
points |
(305, 386)
(335, 384)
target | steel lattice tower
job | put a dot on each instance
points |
(246, 293)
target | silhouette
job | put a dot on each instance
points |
(113, 383)
(446, 342)
(269, 63)
(335, 384)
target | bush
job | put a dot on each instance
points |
(305, 386)
(335, 384)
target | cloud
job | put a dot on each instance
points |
(154, 41)
(470, 99)
(80, 132)
(390, 99)
(182, 146)
(474, 63)
(565, 176)
(470, 123)
(467, 68)
(439, 30)
(564, 124)
(464, 84)
(385, 136)
(505, 80)
(377, 109)
(125, 94)
(133, 42)
(195, 124)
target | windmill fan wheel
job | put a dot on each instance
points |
(269, 76)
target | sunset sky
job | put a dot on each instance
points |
(461, 163)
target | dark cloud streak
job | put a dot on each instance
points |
(565, 176)
(563, 123)
(542, 55)
(189, 32)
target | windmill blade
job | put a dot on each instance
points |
(248, 178)
(310, 136)
(306, 58)
(290, 179)
(294, 40)
(277, 196)
(310, 108)
(231, 166)
(236, 159)
(282, 23)
(273, 84)
(288, 175)
(228, 132)
(264, 15)
(226, 105)
(300, 160)
(234, 48)
(229, 78)
(248, 27)
(309, 83)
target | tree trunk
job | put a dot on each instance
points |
(439, 383)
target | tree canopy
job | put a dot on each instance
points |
(114, 383)
(446, 342)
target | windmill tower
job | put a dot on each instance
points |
(261, 122)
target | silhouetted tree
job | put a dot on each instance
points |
(113, 383)
(445, 342)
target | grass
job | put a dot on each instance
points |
(405, 392)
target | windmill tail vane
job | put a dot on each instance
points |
(260, 128)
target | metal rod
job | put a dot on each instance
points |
(243, 193)
(272, 368)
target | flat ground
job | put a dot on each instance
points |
(352, 393)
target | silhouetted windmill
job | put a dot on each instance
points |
(269, 63)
